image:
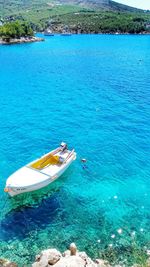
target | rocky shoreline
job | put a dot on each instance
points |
(80, 32)
(21, 40)
(70, 258)
(39, 39)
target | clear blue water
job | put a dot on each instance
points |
(92, 91)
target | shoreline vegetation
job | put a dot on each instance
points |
(21, 32)
(31, 39)
(19, 29)
(104, 22)
(73, 18)
(16, 33)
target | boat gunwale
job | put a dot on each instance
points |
(52, 178)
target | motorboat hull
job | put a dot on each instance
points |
(35, 179)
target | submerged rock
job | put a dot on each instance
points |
(148, 262)
(102, 263)
(7, 263)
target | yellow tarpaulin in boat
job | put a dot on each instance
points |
(48, 160)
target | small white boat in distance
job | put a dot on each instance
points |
(48, 33)
(40, 172)
(66, 34)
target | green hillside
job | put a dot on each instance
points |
(85, 16)
(108, 5)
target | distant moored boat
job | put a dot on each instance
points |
(66, 33)
(48, 33)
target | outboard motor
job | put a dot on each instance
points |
(63, 146)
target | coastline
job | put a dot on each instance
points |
(59, 30)
(39, 39)
(98, 33)
(71, 257)
(22, 40)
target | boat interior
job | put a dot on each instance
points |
(45, 161)
(56, 157)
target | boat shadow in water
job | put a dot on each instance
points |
(34, 198)
(32, 211)
(21, 221)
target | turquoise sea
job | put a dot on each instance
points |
(93, 92)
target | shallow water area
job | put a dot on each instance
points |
(93, 92)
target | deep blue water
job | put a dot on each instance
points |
(93, 92)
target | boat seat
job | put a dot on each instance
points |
(44, 162)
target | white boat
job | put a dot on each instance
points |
(40, 172)
(48, 33)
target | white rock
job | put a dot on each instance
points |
(49, 256)
(66, 253)
(102, 263)
(88, 262)
(7, 263)
(71, 261)
(43, 262)
(83, 255)
(53, 256)
(37, 264)
(37, 257)
(148, 262)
